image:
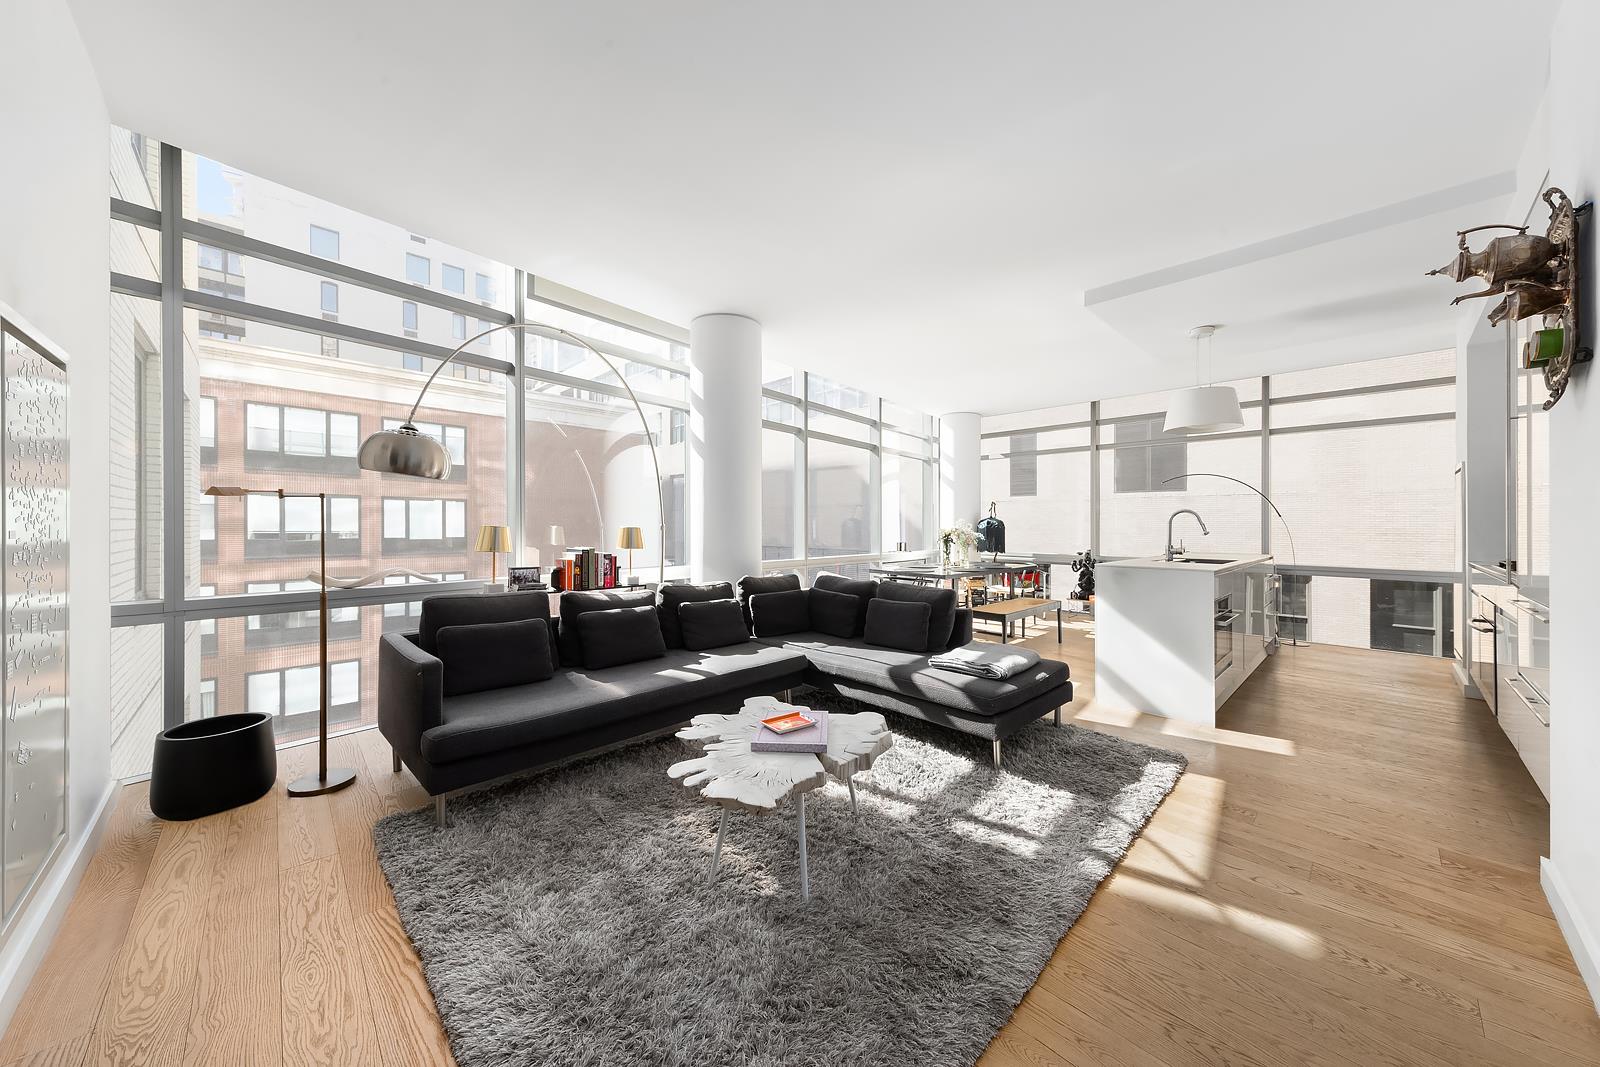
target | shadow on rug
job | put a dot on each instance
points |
(566, 919)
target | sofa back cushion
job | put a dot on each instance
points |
(941, 608)
(674, 595)
(900, 624)
(576, 604)
(712, 624)
(616, 636)
(465, 609)
(751, 584)
(494, 655)
(785, 612)
(835, 613)
(862, 588)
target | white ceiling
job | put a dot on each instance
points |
(913, 197)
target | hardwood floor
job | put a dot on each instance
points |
(1347, 874)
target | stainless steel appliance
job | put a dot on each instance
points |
(1482, 651)
(1223, 619)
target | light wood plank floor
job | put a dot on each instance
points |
(1347, 874)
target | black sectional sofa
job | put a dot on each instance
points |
(490, 685)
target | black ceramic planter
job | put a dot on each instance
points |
(211, 765)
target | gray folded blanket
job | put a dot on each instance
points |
(986, 660)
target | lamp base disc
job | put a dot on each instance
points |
(313, 786)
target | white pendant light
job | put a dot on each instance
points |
(1204, 408)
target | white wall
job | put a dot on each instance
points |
(1572, 875)
(53, 269)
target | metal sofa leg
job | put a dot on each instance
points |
(997, 754)
(1058, 716)
(395, 752)
(438, 812)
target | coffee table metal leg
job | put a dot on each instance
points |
(851, 782)
(716, 853)
(805, 875)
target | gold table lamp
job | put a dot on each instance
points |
(630, 538)
(494, 540)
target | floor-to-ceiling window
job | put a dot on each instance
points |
(259, 335)
(1360, 459)
(847, 477)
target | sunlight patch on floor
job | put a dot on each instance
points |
(1284, 936)
(1128, 719)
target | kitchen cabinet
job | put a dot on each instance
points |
(1521, 698)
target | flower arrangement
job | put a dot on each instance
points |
(958, 541)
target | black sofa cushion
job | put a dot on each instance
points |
(750, 585)
(865, 588)
(494, 655)
(569, 641)
(620, 635)
(683, 593)
(941, 606)
(712, 624)
(897, 624)
(464, 609)
(834, 613)
(908, 674)
(774, 614)
(573, 701)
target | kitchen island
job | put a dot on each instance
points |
(1176, 638)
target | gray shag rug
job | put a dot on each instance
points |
(566, 918)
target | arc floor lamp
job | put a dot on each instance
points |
(406, 451)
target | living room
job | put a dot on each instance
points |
(554, 535)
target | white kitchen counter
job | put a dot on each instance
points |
(1160, 563)
(1158, 645)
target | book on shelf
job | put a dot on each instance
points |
(587, 568)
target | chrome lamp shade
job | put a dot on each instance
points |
(1204, 409)
(404, 451)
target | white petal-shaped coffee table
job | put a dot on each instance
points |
(732, 776)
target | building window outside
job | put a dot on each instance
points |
(208, 697)
(400, 616)
(1024, 464)
(412, 524)
(486, 289)
(290, 526)
(206, 417)
(452, 279)
(297, 627)
(295, 691)
(324, 242)
(419, 269)
(408, 317)
(458, 327)
(308, 433)
(330, 298)
(1146, 456)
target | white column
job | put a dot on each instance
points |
(959, 450)
(724, 512)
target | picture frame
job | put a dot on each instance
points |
(523, 578)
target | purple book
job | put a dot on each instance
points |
(811, 739)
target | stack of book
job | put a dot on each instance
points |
(799, 730)
(586, 568)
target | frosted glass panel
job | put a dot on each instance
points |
(33, 468)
